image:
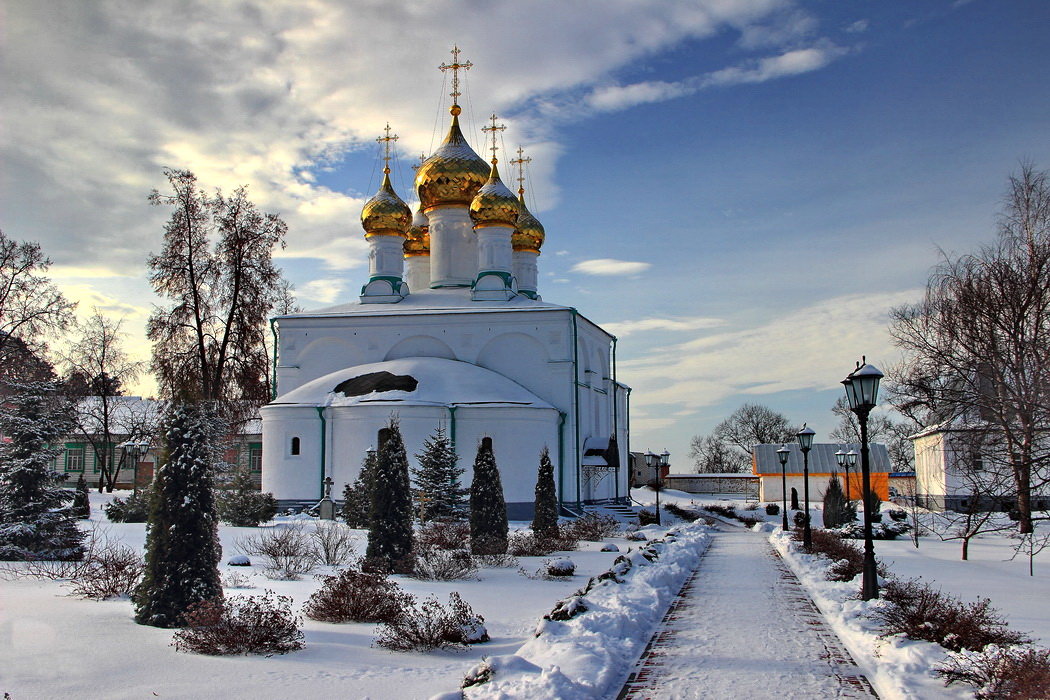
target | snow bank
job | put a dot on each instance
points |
(897, 667)
(590, 641)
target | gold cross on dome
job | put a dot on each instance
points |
(422, 159)
(454, 67)
(494, 129)
(521, 161)
(386, 141)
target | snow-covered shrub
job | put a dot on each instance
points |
(897, 515)
(772, 509)
(1013, 672)
(239, 560)
(724, 511)
(636, 536)
(496, 561)
(646, 517)
(560, 567)
(287, 551)
(847, 559)
(567, 608)
(593, 527)
(357, 596)
(81, 503)
(523, 543)
(685, 514)
(432, 564)
(242, 505)
(432, 625)
(108, 571)
(879, 531)
(444, 534)
(133, 509)
(545, 513)
(334, 544)
(235, 579)
(241, 625)
(918, 611)
(390, 518)
(488, 506)
(610, 547)
(799, 519)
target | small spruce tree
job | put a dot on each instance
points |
(390, 535)
(182, 542)
(488, 508)
(357, 497)
(36, 521)
(545, 518)
(438, 493)
(242, 505)
(834, 503)
(81, 501)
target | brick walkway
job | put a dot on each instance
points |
(743, 626)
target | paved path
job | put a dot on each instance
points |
(744, 627)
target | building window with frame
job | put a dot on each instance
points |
(74, 461)
(294, 450)
(255, 457)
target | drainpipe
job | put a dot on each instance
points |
(561, 458)
(324, 426)
(576, 402)
(616, 432)
(452, 426)
(273, 382)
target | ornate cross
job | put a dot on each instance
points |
(494, 129)
(521, 161)
(386, 141)
(454, 67)
(422, 159)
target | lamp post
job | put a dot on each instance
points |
(805, 443)
(851, 461)
(782, 455)
(134, 450)
(654, 461)
(840, 459)
(862, 391)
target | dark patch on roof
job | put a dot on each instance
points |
(376, 381)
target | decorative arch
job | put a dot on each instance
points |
(420, 346)
(517, 356)
(329, 354)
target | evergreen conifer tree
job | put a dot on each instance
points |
(488, 508)
(438, 493)
(835, 504)
(390, 536)
(545, 517)
(35, 520)
(357, 497)
(243, 505)
(81, 501)
(182, 543)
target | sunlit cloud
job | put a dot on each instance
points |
(610, 266)
(625, 328)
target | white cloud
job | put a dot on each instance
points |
(324, 291)
(861, 25)
(626, 328)
(610, 266)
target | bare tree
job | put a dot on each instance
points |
(881, 428)
(713, 456)
(210, 343)
(977, 347)
(753, 424)
(97, 368)
(31, 307)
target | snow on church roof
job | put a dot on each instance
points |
(414, 381)
(431, 301)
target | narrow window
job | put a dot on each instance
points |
(255, 457)
(295, 445)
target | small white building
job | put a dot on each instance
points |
(822, 464)
(449, 331)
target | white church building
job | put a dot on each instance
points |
(449, 331)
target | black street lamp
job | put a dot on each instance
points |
(655, 462)
(782, 455)
(805, 443)
(862, 391)
(133, 450)
(840, 459)
(851, 461)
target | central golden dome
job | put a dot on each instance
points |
(494, 204)
(529, 233)
(385, 214)
(418, 241)
(453, 174)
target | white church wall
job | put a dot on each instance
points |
(419, 346)
(291, 476)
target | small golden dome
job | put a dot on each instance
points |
(418, 241)
(494, 205)
(453, 174)
(529, 234)
(385, 214)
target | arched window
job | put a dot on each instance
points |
(295, 446)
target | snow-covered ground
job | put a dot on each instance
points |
(52, 645)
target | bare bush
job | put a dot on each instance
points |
(235, 579)
(110, 571)
(287, 550)
(1000, 673)
(918, 611)
(334, 543)
(357, 596)
(444, 534)
(433, 564)
(523, 543)
(687, 514)
(592, 527)
(847, 558)
(505, 560)
(434, 626)
(241, 625)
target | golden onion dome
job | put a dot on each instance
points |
(453, 174)
(529, 234)
(494, 205)
(385, 214)
(418, 241)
